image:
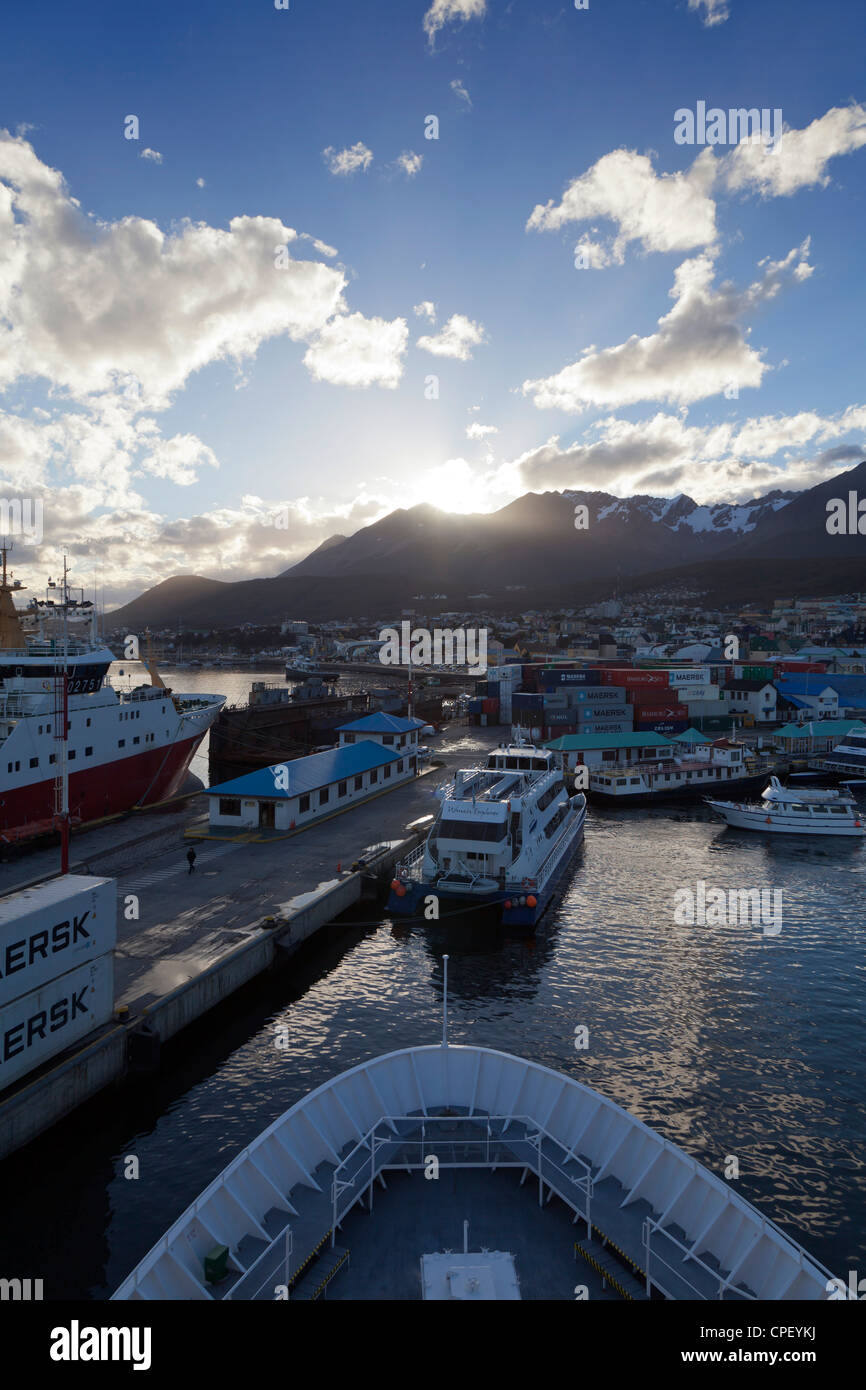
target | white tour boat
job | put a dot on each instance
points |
(795, 811)
(504, 837)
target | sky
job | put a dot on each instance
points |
(268, 273)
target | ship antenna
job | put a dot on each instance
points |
(445, 1001)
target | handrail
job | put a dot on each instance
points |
(286, 1235)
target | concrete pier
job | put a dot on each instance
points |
(187, 941)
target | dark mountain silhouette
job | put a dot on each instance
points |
(531, 552)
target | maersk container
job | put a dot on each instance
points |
(689, 675)
(524, 700)
(47, 930)
(601, 714)
(38, 1025)
(638, 678)
(597, 695)
(559, 716)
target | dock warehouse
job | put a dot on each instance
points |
(296, 793)
(600, 748)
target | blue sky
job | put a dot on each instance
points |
(182, 405)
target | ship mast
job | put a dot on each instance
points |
(61, 731)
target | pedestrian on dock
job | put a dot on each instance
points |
(190, 854)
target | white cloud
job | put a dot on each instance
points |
(456, 339)
(200, 183)
(426, 309)
(668, 212)
(800, 158)
(476, 431)
(443, 12)
(712, 11)
(87, 304)
(179, 458)
(349, 160)
(354, 351)
(665, 455)
(698, 351)
(460, 91)
(677, 212)
(153, 155)
(409, 162)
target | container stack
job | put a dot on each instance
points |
(56, 969)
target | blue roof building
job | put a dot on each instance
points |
(290, 795)
(390, 730)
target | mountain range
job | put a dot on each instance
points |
(553, 548)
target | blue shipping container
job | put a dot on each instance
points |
(522, 700)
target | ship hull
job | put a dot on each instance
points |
(774, 823)
(143, 780)
(697, 792)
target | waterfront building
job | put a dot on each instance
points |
(293, 794)
(390, 730)
(599, 748)
(818, 737)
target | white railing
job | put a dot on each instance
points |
(491, 1147)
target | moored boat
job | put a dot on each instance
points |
(503, 839)
(795, 811)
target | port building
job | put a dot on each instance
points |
(288, 796)
(390, 730)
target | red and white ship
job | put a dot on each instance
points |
(123, 748)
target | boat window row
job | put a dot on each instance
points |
(492, 831)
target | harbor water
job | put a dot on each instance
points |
(744, 1041)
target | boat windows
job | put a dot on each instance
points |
(838, 810)
(471, 830)
(88, 752)
(819, 810)
(633, 781)
(34, 762)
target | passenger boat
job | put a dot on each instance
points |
(671, 775)
(611, 1206)
(795, 811)
(503, 838)
(847, 759)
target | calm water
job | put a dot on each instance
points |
(727, 1040)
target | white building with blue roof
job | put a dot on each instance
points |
(288, 796)
(391, 730)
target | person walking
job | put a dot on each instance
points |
(190, 854)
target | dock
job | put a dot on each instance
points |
(187, 941)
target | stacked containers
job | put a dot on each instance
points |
(56, 969)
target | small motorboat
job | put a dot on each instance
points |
(795, 811)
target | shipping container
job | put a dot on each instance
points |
(757, 673)
(559, 716)
(48, 930)
(713, 723)
(661, 726)
(698, 708)
(526, 700)
(691, 675)
(549, 680)
(645, 678)
(600, 714)
(644, 712)
(597, 695)
(489, 706)
(38, 1025)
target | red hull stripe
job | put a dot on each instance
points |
(104, 790)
